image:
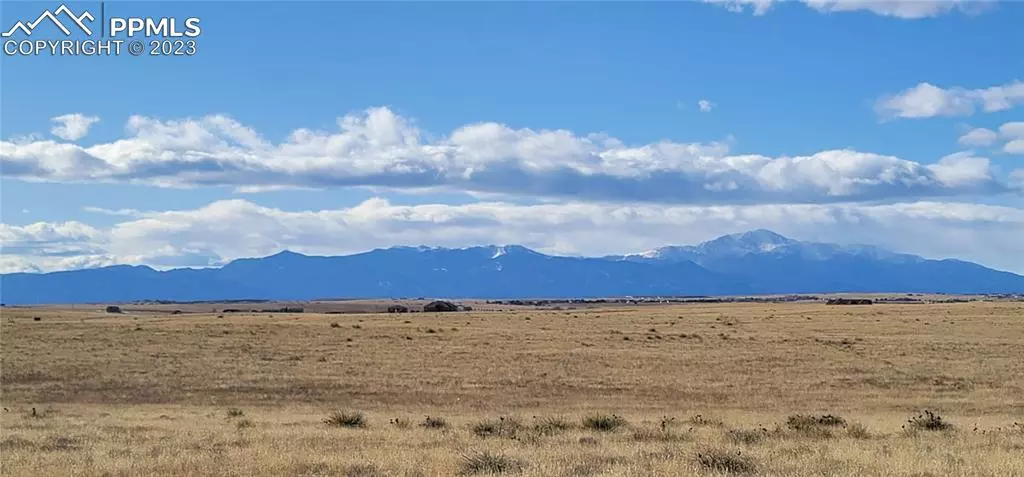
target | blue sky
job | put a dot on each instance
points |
(570, 127)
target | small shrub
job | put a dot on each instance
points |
(603, 422)
(434, 423)
(243, 424)
(400, 423)
(15, 442)
(550, 426)
(800, 422)
(235, 412)
(928, 421)
(700, 420)
(746, 436)
(335, 325)
(488, 463)
(659, 435)
(728, 462)
(43, 413)
(503, 427)
(61, 443)
(594, 465)
(364, 470)
(36, 318)
(588, 441)
(857, 431)
(814, 427)
(346, 419)
(114, 309)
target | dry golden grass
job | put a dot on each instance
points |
(151, 393)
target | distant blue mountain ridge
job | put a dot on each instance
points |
(755, 262)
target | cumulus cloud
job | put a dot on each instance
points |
(1013, 133)
(705, 105)
(230, 229)
(1010, 134)
(1018, 177)
(378, 148)
(43, 246)
(979, 137)
(72, 127)
(927, 100)
(757, 7)
(1015, 146)
(904, 9)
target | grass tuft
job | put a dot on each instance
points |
(549, 426)
(802, 421)
(731, 462)
(603, 422)
(928, 421)
(434, 423)
(502, 427)
(746, 436)
(700, 421)
(346, 419)
(364, 470)
(487, 463)
(857, 431)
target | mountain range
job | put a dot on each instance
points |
(755, 262)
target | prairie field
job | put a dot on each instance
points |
(800, 389)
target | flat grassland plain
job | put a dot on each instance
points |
(667, 390)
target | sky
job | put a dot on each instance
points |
(571, 128)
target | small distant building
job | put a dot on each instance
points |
(440, 306)
(398, 309)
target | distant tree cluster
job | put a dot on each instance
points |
(850, 301)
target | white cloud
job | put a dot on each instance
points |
(1015, 146)
(1012, 133)
(49, 246)
(1012, 130)
(230, 229)
(381, 149)
(121, 212)
(979, 137)
(705, 105)
(905, 9)
(72, 127)
(927, 100)
(758, 7)
(1017, 176)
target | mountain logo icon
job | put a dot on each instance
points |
(77, 20)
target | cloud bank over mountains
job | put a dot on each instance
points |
(378, 148)
(229, 229)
